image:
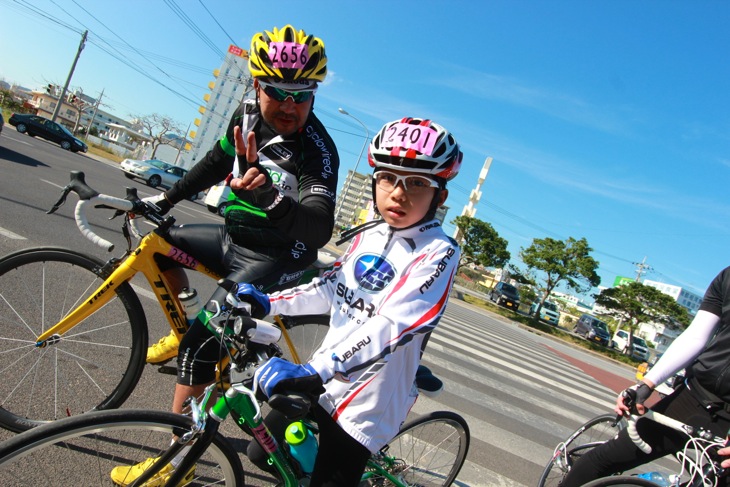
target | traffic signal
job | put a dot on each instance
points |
(71, 98)
(49, 88)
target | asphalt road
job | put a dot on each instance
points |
(520, 392)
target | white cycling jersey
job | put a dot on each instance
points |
(385, 295)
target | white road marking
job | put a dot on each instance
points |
(9, 234)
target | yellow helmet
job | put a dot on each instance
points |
(288, 56)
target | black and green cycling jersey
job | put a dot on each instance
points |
(303, 166)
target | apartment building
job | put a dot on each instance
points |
(232, 84)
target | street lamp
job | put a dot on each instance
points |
(354, 171)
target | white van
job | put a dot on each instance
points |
(639, 349)
(217, 198)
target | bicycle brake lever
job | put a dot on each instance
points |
(61, 200)
(116, 213)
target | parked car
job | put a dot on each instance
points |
(639, 348)
(548, 312)
(216, 200)
(592, 329)
(505, 294)
(154, 172)
(34, 125)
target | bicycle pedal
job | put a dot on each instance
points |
(167, 369)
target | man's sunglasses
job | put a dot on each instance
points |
(280, 95)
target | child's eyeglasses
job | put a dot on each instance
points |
(280, 95)
(387, 181)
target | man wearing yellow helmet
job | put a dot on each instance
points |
(281, 209)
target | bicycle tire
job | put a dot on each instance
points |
(594, 432)
(619, 480)
(427, 451)
(306, 333)
(83, 450)
(95, 365)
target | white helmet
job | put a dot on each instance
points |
(417, 145)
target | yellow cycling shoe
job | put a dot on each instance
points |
(126, 475)
(163, 350)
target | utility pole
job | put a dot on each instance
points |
(641, 268)
(70, 75)
(476, 194)
(182, 142)
(93, 116)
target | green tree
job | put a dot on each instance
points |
(481, 244)
(635, 303)
(8, 100)
(562, 261)
(520, 276)
(527, 294)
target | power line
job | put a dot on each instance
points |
(216, 21)
(41, 13)
(191, 24)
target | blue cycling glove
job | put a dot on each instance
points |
(260, 304)
(279, 375)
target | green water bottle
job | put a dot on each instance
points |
(302, 445)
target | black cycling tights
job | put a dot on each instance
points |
(621, 455)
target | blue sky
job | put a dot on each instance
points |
(608, 120)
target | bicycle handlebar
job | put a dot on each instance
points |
(659, 418)
(88, 196)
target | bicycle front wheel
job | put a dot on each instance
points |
(596, 431)
(83, 450)
(306, 333)
(619, 481)
(95, 365)
(428, 451)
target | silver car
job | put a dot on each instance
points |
(154, 172)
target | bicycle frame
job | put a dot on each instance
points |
(141, 259)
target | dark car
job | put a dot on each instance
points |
(42, 127)
(506, 295)
(593, 329)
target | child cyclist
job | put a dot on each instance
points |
(385, 296)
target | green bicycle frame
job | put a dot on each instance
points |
(243, 402)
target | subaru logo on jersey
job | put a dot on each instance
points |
(373, 272)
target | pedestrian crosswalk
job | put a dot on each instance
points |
(519, 396)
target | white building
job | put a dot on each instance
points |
(660, 334)
(685, 298)
(233, 82)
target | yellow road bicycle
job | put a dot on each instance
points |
(73, 332)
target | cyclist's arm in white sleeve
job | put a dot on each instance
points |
(685, 348)
(410, 310)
